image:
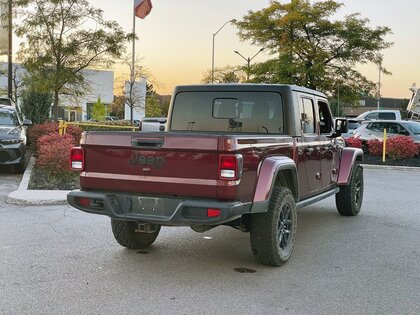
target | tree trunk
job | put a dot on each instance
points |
(55, 106)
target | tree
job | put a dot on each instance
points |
(311, 49)
(98, 110)
(62, 38)
(134, 96)
(226, 74)
(153, 108)
(36, 106)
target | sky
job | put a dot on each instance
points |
(175, 40)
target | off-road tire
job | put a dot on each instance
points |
(273, 233)
(349, 200)
(126, 235)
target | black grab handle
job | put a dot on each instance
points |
(146, 142)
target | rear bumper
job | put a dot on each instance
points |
(158, 210)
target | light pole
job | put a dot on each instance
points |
(212, 52)
(248, 60)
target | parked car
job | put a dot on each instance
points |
(369, 130)
(6, 101)
(353, 124)
(152, 124)
(12, 138)
(245, 156)
(111, 118)
(382, 114)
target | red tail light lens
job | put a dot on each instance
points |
(213, 213)
(230, 166)
(77, 159)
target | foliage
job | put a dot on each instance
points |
(375, 147)
(117, 106)
(354, 142)
(313, 50)
(98, 110)
(57, 49)
(134, 97)
(75, 132)
(401, 147)
(153, 108)
(36, 106)
(38, 130)
(54, 153)
(226, 74)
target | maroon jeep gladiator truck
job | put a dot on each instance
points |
(242, 155)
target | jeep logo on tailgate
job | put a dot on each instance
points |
(139, 159)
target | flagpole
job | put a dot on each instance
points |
(133, 60)
(134, 44)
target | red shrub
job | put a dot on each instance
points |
(37, 131)
(354, 142)
(401, 147)
(375, 147)
(54, 152)
(75, 132)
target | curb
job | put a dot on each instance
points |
(388, 167)
(25, 197)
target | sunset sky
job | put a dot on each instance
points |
(175, 40)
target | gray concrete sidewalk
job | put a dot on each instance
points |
(23, 196)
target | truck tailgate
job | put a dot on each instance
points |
(152, 163)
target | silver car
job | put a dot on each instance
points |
(12, 138)
(374, 129)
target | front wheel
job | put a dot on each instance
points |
(349, 199)
(273, 233)
(126, 234)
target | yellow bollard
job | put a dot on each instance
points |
(384, 148)
(60, 127)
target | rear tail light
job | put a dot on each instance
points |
(77, 159)
(213, 213)
(230, 167)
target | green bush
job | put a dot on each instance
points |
(36, 106)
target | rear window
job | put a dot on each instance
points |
(247, 112)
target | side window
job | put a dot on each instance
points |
(307, 117)
(371, 116)
(392, 128)
(325, 119)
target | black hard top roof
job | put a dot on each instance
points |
(245, 87)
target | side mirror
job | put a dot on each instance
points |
(404, 133)
(341, 126)
(27, 122)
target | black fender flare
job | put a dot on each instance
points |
(269, 172)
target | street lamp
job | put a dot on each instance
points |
(248, 60)
(212, 54)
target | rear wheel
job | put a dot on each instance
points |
(126, 234)
(349, 199)
(273, 233)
